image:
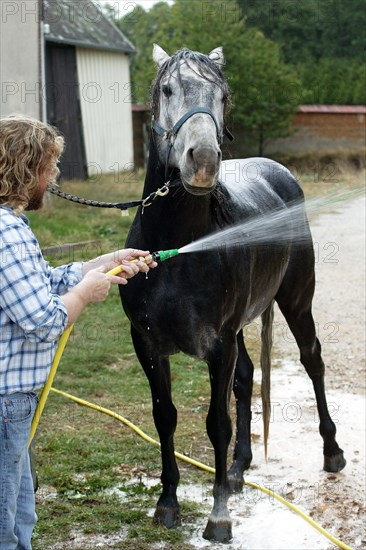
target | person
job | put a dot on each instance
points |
(37, 303)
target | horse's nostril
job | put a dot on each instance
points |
(198, 156)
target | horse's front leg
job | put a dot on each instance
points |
(221, 364)
(157, 370)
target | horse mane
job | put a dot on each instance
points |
(199, 63)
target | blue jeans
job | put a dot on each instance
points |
(17, 501)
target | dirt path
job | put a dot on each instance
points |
(339, 302)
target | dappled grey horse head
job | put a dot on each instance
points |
(189, 98)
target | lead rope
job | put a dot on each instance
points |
(147, 201)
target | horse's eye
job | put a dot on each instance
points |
(167, 91)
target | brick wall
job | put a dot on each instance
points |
(324, 128)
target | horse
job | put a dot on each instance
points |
(198, 304)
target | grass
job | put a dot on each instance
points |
(83, 456)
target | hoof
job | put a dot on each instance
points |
(334, 463)
(219, 531)
(169, 517)
(235, 484)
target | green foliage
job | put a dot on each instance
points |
(269, 94)
(310, 30)
(335, 81)
(324, 40)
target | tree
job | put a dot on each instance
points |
(265, 91)
(335, 81)
(323, 40)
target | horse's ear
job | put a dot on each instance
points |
(159, 55)
(217, 56)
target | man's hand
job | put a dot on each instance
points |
(96, 284)
(131, 259)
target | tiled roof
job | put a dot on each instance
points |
(349, 109)
(82, 23)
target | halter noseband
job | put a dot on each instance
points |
(172, 133)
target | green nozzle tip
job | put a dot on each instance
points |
(166, 254)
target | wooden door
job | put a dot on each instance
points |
(63, 107)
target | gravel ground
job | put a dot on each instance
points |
(339, 303)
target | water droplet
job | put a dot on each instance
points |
(157, 401)
(148, 328)
(146, 276)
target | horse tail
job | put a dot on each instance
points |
(267, 339)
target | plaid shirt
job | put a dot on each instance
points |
(32, 314)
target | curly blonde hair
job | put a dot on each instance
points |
(28, 148)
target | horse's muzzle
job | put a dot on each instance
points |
(200, 169)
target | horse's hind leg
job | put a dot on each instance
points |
(303, 329)
(243, 385)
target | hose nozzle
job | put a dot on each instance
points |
(163, 255)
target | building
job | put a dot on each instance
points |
(69, 65)
(20, 59)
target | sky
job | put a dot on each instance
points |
(124, 6)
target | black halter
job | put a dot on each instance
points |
(170, 135)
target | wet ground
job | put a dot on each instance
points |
(294, 471)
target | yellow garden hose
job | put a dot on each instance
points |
(60, 349)
(48, 387)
